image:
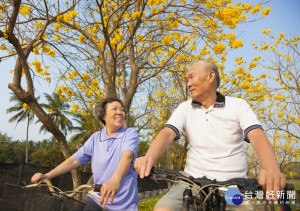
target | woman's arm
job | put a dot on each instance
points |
(66, 166)
(111, 186)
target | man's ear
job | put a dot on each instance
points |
(212, 76)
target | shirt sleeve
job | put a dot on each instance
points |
(247, 118)
(131, 141)
(84, 154)
(178, 119)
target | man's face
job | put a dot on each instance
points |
(198, 80)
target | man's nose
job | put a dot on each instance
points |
(188, 84)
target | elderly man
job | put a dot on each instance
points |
(215, 126)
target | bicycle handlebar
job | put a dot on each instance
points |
(207, 188)
(173, 175)
(91, 189)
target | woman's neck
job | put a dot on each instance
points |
(110, 131)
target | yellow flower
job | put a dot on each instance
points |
(291, 117)
(24, 10)
(280, 115)
(166, 40)
(62, 97)
(57, 26)
(252, 65)
(137, 14)
(266, 12)
(245, 85)
(256, 8)
(263, 75)
(2, 47)
(75, 109)
(52, 53)
(240, 70)
(39, 24)
(85, 76)
(219, 48)
(26, 106)
(56, 38)
(237, 44)
(59, 91)
(81, 38)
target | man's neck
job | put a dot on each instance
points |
(208, 100)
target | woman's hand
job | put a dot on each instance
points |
(36, 177)
(109, 189)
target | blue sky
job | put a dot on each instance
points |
(284, 17)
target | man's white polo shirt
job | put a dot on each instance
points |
(215, 136)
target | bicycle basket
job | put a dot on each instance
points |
(19, 198)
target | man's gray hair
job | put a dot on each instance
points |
(216, 71)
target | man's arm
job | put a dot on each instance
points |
(111, 186)
(143, 165)
(270, 176)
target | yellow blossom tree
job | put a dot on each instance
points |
(137, 50)
(281, 111)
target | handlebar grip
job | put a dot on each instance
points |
(97, 188)
(187, 195)
(289, 186)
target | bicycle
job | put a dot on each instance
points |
(32, 197)
(211, 194)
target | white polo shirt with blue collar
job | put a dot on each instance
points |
(215, 136)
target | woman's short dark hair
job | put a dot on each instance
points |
(100, 108)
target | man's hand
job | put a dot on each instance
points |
(271, 181)
(109, 189)
(143, 166)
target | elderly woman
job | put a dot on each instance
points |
(112, 152)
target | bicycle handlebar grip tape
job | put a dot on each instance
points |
(187, 195)
(97, 188)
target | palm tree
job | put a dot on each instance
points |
(24, 112)
(58, 111)
(87, 125)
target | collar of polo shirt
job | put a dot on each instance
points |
(220, 102)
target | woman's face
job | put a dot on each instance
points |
(114, 115)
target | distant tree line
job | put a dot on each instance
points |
(40, 153)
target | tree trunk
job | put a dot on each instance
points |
(182, 154)
(50, 125)
(26, 145)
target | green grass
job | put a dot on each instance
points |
(148, 204)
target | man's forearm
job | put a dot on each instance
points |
(263, 149)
